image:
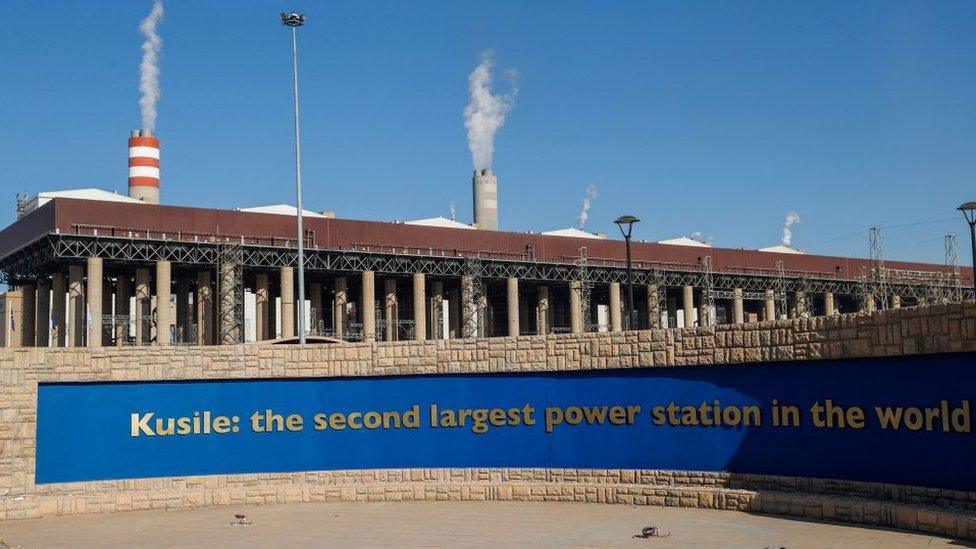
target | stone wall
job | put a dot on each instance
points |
(891, 333)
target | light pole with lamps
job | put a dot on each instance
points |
(295, 20)
(628, 221)
(968, 210)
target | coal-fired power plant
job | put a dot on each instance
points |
(485, 199)
(144, 166)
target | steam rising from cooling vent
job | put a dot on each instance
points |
(149, 68)
(485, 112)
(792, 218)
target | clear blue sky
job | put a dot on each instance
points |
(716, 117)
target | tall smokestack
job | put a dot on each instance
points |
(144, 166)
(485, 199)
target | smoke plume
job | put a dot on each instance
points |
(485, 112)
(792, 218)
(149, 68)
(453, 212)
(585, 207)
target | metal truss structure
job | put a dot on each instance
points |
(230, 293)
(54, 252)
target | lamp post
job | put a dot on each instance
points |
(968, 210)
(295, 20)
(628, 222)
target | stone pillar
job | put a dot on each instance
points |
(287, 302)
(122, 291)
(419, 306)
(575, 304)
(437, 310)
(339, 301)
(76, 306)
(653, 307)
(94, 294)
(542, 310)
(896, 301)
(315, 307)
(28, 313)
(261, 307)
(738, 315)
(390, 309)
(769, 306)
(469, 309)
(164, 288)
(183, 313)
(205, 308)
(59, 330)
(688, 305)
(829, 304)
(615, 307)
(143, 307)
(43, 320)
(367, 305)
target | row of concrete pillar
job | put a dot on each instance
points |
(79, 320)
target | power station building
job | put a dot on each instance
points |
(93, 269)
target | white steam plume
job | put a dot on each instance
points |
(485, 112)
(149, 68)
(585, 207)
(453, 212)
(792, 218)
(700, 237)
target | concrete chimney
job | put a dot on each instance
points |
(485, 200)
(144, 166)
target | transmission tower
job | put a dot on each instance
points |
(880, 278)
(954, 289)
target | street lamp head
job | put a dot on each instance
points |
(627, 220)
(968, 209)
(293, 19)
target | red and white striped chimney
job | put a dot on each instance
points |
(144, 167)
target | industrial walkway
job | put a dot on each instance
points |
(446, 524)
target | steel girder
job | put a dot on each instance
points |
(53, 250)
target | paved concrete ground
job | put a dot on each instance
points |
(461, 524)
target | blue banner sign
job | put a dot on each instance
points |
(905, 420)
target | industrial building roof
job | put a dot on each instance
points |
(781, 249)
(572, 232)
(685, 241)
(281, 209)
(43, 198)
(439, 221)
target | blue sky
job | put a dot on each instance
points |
(695, 116)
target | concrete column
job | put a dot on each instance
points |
(738, 316)
(688, 304)
(437, 310)
(28, 314)
(542, 310)
(315, 308)
(94, 293)
(469, 309)
(575, 303)
(512, 287)
(829, 304)
(76, 306)
(367, 305)
(869, 303)
(287, 302)
(339, 302)
(799, 304)
(183, 313)
(653, 306)
(143, 307)
(262, 307)
(419, 306)
(59, 330)
(896, 301)
(164, 288)
(205, 308)
(482, 304)
(43, 320)
(615, 311)
(122, 291)
(390, 309)
(769, 306)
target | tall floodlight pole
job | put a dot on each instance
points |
(628, 221)
(295, 20)
(969, 212)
